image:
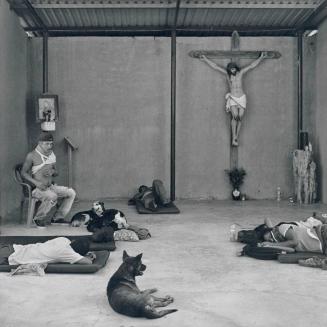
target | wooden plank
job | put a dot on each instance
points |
(233, 156)
(235, 47)
(70, 143)
(217, 54)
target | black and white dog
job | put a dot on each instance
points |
(99, 217)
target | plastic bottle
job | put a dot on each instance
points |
(232, 233)
(278, 194)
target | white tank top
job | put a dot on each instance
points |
(46, 160)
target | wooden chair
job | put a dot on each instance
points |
(26, 195)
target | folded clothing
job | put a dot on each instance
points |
(314, 262)
(125, 235)
(30, 269)
(142, 233)
(296, 256)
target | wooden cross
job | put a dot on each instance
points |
(235, 54)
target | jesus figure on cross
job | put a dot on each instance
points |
(236, 98)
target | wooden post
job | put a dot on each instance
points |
(235, 46)
(70, 167)
(70, 148)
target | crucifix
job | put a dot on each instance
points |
(235, 98)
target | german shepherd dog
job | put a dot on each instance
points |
(126, 298)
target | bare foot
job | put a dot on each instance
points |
(235, 143)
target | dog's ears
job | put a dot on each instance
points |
(125, 255)
(139, 256)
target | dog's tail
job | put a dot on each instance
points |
(151, 313)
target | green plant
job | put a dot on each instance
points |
(236, 177)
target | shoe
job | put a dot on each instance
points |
(39, 223)
(314, 262)
(59, 221)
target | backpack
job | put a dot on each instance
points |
(262, 253)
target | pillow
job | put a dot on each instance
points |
(125, 235)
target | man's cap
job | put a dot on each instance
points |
(46, 137)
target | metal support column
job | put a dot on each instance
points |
(173, 103)
(300, 86)
(173, 116)
(45, 62)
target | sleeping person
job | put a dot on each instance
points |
(309, 235)
(57, 250)
(268, 232)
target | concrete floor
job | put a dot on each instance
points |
(189, 257)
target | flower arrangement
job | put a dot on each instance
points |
(236, 178)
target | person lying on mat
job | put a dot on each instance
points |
(299, 237)
(57, 250)
(153, 197)
(275, 233)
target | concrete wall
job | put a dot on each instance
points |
(115, 104)
(320, 113)
(13, 86)
(268, 132)
(310, 100)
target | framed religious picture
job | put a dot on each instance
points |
(47, 108)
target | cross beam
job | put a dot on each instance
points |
(237, 54)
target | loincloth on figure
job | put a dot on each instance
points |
(232, 100)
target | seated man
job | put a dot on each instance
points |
(59, 249)
(39, 169)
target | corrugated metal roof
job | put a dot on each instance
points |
(157, 17)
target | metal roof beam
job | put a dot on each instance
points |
(154, 28)
(167, 29)
(100, 29)
(168, 34)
